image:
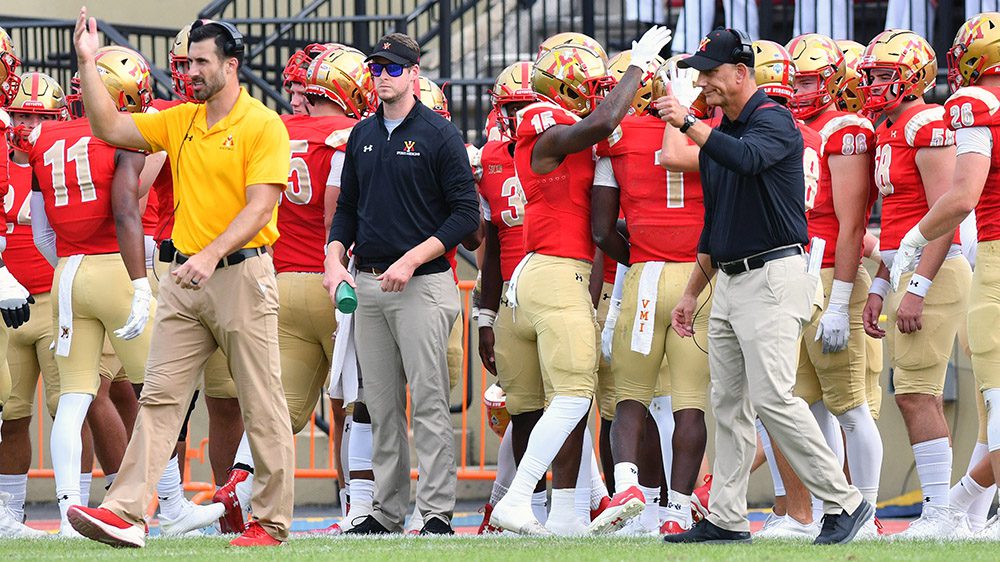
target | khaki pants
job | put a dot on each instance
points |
(518, 369)
(237, 310)
(402, 340)
(753, 336)
(604, 393)
(984, 315)
(28, 354)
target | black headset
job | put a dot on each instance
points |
(234, 45)
(743, 54)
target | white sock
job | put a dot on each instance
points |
(933, 460)
(345, 494)
(980, 507)
(416, 521)
(563, 504)
(345, 448)
(86, 479)
(548, 436)
(626, 476)
(361, 446)
(66, 446)
(583, 477)
(17, 486)
(966, 491)
(169, 491)
(650, 514)
(538, 506)
(362, 492)
(506, 464)
(830, 428)
(109, 479)
(864, 450)
(662, 411)
(663, 512)
(772, 464)
(243, 453)
(598, 489)
(817, 509)
(678, 508)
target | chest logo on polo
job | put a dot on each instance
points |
(408, 149)
(228, 144)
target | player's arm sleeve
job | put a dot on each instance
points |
(604, 173)
(336, 169)
(975, 140)
(41, 230)
(154, 127)
(269, 160)
(345, 220)
(455, 177)
(770, 136)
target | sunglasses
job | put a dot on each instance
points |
(394, 70)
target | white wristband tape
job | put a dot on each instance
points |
(880, 287)
(919, 285)
(486, 318)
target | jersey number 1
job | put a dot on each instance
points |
(57, 156)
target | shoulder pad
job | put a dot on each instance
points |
(926, 128)
(337, 139)
(847, 134)
(973, 107)
(540, 116)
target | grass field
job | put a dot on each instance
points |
(468, 549)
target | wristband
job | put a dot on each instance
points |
(919, 285)
(840, 293)
(141, 284)
(486, 318)
(879, 287)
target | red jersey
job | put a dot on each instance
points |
(151, 214)
(557, 209)
(840, 133)
(5, 163)
(904, 201)
(664, 210)
(25, 262)
(300, 214)
(74, 172)
(502, 202)
(163, 186)
(980, 107)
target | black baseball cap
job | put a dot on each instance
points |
(721, 46)
(394, 51)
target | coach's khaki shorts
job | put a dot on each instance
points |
(518, 370)
(920, 360)
(217, 380)
(984, 315)
(605, 391)
(873, 382)
(28, 355)
(306, 324)
(673, 358)
(556, 315)
(839, 379)
(102, 302)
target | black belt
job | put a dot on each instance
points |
(757, 261)
(234, 258)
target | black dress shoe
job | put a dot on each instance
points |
(436, 526)
(705, 532)
(841, 528)
(368, 526)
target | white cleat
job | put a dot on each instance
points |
(991, 532)
(938, 523)
(869, 531)
(66, 531)
(517, 519)
(10, 527)
(787, 528)
(192, 518)
(772, 518)
(635, 528)
(566, 527)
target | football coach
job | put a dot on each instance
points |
(754, 232)
(406, 197)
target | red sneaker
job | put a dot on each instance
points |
(671, 528)
(104, 526)
(255, 535)
(625, 506)
(605, 502)
(332, 530)
(485, 528)
(699, 500)
(231, 521)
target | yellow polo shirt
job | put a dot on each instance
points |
(213, 167)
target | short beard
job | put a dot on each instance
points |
(207, 91)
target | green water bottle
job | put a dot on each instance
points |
(347, 299)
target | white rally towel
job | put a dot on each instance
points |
(344, 367)
(512, 285)
(645, 311)
(66, 304)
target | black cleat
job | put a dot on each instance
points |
(436, 526)
(841, 528)
(705, 532)
(368, 526)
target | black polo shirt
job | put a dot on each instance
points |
(398, 190)
(751, 174)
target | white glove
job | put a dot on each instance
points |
(835, 324)
(141, 298)
(607, 334)
(682, 85)
(14, 300)
(648, 46)
(906, 255)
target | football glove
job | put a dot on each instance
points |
(648, 46)
(682, 86)
(14, 300)
(835, 324)
(607, 334)
(142, 296)
(906, 255)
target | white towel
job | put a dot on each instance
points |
(512, 285)
(344, 367)
(645, 311)
(66, 304)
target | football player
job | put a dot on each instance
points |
(39, 98)
(914, 163)
(554, 161)
(294, 75)
(971, 111)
